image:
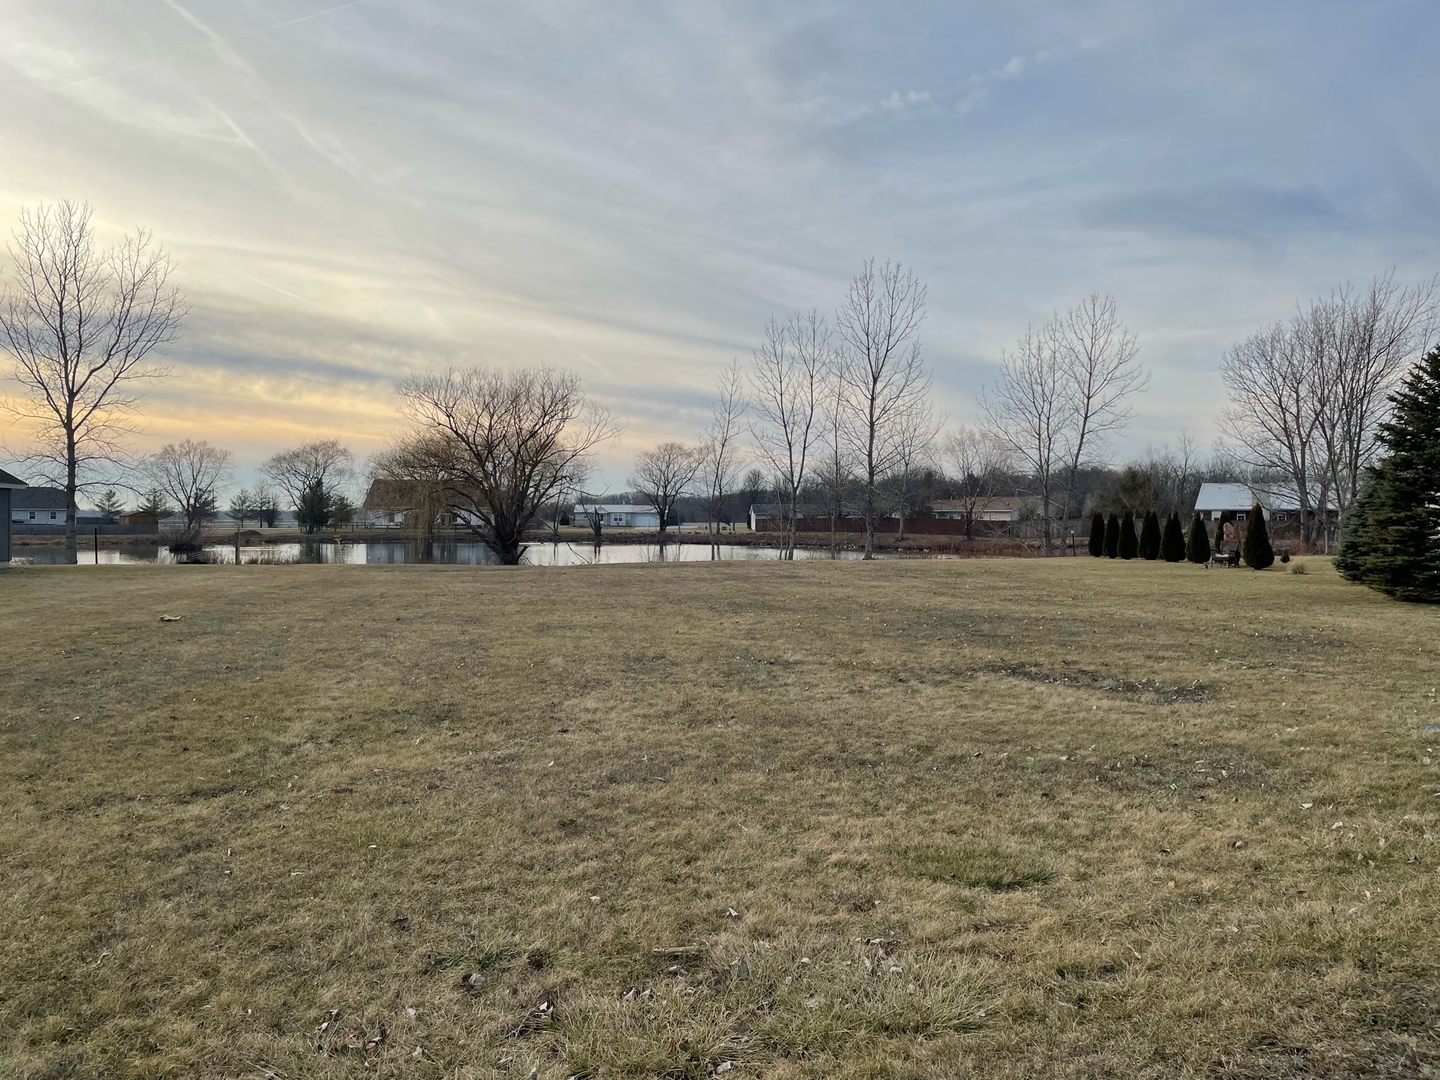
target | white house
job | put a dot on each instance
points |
(46, 506)
(618, 515)
(10, 486)
(1279, 502)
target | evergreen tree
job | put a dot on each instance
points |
(110, 504)
(314, 509)
(1129, 543)
(156, 503)
(1150, 536)
(1097, 535)
(1197, 548)
(1256, 549)
(1112, 537)
(1351, 562)
(1395, 544)
(1172, 545)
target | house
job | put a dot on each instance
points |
(10, 486)
(388, 502)
(762, 515)
(617, 515)
(995, 508)
(139, 519)
(1280, 501)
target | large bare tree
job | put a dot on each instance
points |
(79, 324)
(1061, 393)
(1029, 412)
(720, 452)
(882, 373)
(1307, 396)
(498, 445)
(787, 375)
(664, 475)
(1101, 359)
(835, 471)
(310, 473)
(975, 460)
(190, 473)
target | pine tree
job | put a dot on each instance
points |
(1129, 544)
(1395, 546)
(1197, 548)
(1256, 549)
(1150, 536)
(156, 503)
(110, 504)
(1097, 535)
(1172, 545)
(1112, 537)
(1352, 562)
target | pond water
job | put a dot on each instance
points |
(383, 553)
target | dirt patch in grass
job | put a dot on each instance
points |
(1149, 691)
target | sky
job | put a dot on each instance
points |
(354, 191)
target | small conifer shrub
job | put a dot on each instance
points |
(1150, 536)
(1097, 535)
(1172, 544)
(1197, 547)
(1112, 537)
(1129, 542)
(1256, 551)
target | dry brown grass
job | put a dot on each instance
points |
(1066, 818)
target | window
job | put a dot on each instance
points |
(52, 515)
(1240, 515)
(32, 515)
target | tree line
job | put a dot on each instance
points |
(833, 410)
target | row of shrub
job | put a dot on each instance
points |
(1115, 538)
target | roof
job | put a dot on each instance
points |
(8, 480)
(37, 498)
(1241, 497)
(392, 495)
(613, 508)
(990, 505)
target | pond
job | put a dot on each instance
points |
(389, 552)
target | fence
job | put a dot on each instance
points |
(82, 530)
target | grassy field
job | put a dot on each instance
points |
(897, 819)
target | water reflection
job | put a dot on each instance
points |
(390, 552)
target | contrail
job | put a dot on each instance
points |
(214, 41)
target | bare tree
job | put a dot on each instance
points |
(915, 433)
(1378, 333)
(835, 471)
(663, 475)
(190, 473)
(79, 324)
(1101, 358)
(883, 376)
(499, 445)
(975, 460)
(1029, 411)
(786, 374)
(720, 462)
(309, 472)
(1061, 393)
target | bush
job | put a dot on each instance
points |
(1112, 537)
(1197, 548)
(1256, 549)
(1097, 535)
(1172, 544)
(1129, 544)
(1150, 536)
